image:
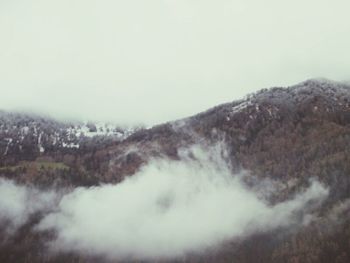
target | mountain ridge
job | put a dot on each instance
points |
(291, 135)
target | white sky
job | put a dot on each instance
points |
(156, 60)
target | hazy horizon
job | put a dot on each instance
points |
(149, 62)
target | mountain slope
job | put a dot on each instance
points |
(286, 134)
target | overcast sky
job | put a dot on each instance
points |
(156, 60)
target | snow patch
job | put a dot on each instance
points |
(70, 145)
(9, 141)
(41, 148)
(241, 106)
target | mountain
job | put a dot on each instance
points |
(31, 135)
(288, 134)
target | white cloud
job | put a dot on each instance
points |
(170, 208)
(18, 203)
(152, 61)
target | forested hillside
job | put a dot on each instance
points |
(289, 135)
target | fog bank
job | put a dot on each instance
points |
(18, 203)
(171, 208)
(167, 209)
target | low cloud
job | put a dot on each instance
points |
(170, 208)
(18, 203)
